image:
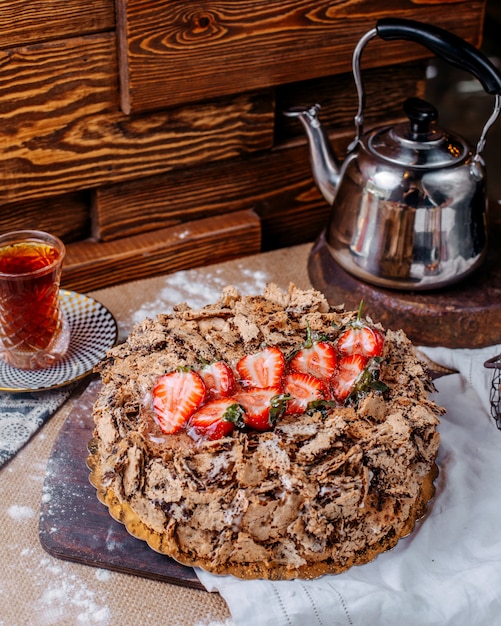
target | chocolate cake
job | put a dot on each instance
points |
(268, 436)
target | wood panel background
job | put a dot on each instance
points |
(123, 126)
(174, 52)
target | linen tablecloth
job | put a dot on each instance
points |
(447, 572)
(37, 589)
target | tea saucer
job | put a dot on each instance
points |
(93, 331)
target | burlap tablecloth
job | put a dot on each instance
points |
(38, 589)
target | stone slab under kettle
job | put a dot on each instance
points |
(464, 315)
(408, 202)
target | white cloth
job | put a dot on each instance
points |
(448, 571)
(470, 364)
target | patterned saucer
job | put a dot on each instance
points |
(93, 331)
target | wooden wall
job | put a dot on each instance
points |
(150, 136)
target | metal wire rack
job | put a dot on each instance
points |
(495, 392)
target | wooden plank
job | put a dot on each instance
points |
(47, 86)
(278, 184)
(67, 216)
(90, 265)
(62, 128)
(52, 97)
(28, 21)
(173, 52)
(270, 182)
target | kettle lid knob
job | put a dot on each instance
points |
(419, 142)
(421, 115)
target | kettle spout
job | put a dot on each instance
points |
(323, 161)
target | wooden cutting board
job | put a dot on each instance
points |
(75, 526)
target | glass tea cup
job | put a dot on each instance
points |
(34, 333)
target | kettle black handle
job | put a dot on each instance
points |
(445, 45)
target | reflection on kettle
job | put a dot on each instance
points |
(408, 202)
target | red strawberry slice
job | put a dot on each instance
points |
(319, 360)
(219, 379)
(176, 396)
(262, 369)
(303, 389)
(349, 369)
(216, 419)
(263, 406)
(361, 339)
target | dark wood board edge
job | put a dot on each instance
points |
(75, 526)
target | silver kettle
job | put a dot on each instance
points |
(408, 202)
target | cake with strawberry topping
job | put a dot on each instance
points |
(270, 436)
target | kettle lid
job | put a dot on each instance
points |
(418, 142)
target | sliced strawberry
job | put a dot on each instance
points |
(262, 369)
(219, 379)
(303, 389)
(263, 406)
(350, 367)
(361, 339)
(216, 419)
(176, 396)
(319, 360)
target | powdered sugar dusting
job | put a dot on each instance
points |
(103, 574)
(185, 286)
(62, 590)
(20, 513)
